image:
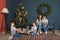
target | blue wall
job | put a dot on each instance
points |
(31, 6)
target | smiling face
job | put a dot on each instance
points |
(12, 23)
(44, 17)
(33, 24)
(39, 17)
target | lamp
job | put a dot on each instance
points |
(4, 12)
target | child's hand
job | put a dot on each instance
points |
(18, 29)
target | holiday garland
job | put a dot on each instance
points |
(40, 7)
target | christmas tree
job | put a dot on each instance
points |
(21, 16)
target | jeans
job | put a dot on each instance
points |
(39, 28)
(17, 35)
(45, 28)
(33, 33)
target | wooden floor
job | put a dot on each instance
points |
(4, 36)
(49, 36)
(39, 37)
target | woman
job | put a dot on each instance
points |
(39, 24)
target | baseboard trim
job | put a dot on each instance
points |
(2, 33)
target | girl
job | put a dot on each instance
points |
(33, 29)
(13, 30)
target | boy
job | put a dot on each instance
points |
(45, 24)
